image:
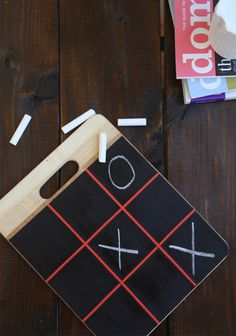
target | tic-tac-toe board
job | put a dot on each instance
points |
(118, 243)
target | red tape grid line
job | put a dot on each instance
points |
(144, 230)
(106, 223)
(103, 263)
(118, 286)
(121, 283)
(96, 232)
(135, 269)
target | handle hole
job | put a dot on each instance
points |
(61, 177)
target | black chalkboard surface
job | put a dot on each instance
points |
(120, 246)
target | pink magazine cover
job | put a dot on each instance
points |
(194, 55)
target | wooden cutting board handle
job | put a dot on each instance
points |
(23, 202)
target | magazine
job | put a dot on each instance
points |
(199, 87)
(202, 90)
(230, 95)
(195, 58)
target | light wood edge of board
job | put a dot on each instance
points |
(24, 202)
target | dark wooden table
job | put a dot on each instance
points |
(58, 59)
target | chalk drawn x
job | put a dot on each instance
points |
(119, 249)
(193, 252)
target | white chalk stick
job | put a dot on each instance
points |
(20, 129)
(78, 121)
(132, 122)
(102, 147)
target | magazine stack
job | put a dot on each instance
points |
(205, 75)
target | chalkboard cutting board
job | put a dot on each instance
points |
(118, 244)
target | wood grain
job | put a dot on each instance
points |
(28, 84)
(110, 61)
(201, 164)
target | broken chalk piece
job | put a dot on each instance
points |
(78, 121)
(132, 122)
(20, 129)
(102, 147)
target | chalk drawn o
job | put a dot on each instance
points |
(121, 157)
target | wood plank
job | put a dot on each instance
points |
(29, 84)
(201, 164)
(110, 61)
